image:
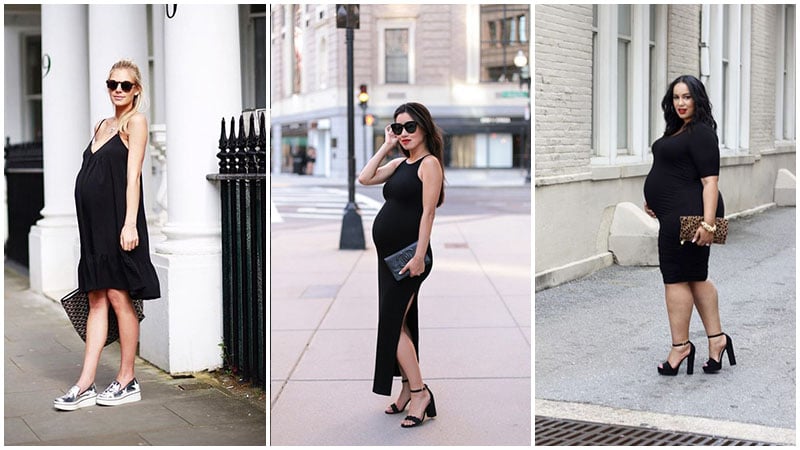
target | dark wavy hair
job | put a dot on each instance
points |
(433, 135)
(702, 106)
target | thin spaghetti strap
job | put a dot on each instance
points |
(97, 129)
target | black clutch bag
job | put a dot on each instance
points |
(396, 261)
(76, 305)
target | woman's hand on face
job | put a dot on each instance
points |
(129, 238)
(415, 266)
(649, 211)
(391, 138)
(703, 237)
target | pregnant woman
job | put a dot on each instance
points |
(414, 189)
(683, 182)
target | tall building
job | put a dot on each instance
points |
(458, 60)
(601, 73)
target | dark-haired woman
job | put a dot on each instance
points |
(683, 182)
(414, 189)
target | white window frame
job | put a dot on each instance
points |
(733, 124)
(785, 77)
(604, 114)
(382, 26)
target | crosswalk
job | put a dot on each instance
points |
(317, 203)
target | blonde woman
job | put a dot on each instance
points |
(115, 257)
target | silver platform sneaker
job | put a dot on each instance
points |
(75, 399)
(115, 394)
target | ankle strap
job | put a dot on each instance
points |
(682, 344)
(404, 381)
(716, 335)
(419, 390)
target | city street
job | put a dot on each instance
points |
(475, 342)
(600, 338)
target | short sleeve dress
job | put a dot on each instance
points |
(100, 207)
(395, 227)
(673, 188)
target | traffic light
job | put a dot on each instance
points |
(369, 119)
(363, 97)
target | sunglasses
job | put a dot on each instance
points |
(126, 85)
(410, 126)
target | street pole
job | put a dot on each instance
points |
(352, 235)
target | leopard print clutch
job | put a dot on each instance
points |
(690, 224)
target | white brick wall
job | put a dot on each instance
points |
(762, 98)
(683, 41)
(563, 86)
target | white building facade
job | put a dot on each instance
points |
(458, 60)
(601, 72)
(200, 63)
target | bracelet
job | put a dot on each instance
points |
(708, 227)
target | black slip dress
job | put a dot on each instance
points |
(100, 207)
(395, 227)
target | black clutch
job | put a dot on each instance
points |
(396, 261)
(76, 305)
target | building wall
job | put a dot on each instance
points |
(683, 36)
(442, 54)
(574, 199)
(563, 86)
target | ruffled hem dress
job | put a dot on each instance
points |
(100, 206)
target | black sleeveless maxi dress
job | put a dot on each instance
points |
(100, 207)
(672, 189)
(395, 227)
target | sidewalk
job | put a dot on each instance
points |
(475, 337)
(453, 178)
(600, 339)
(43, 357)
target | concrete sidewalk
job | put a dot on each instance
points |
(43, 357)
(599, 340)
(475, 337)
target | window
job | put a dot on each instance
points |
(785, 80)
(298, 50)
(623, 67)
(32, 87)
(258, 19)
(396, 50)
(396, 55)
(504, 32)
(727, 80)
(628, 71)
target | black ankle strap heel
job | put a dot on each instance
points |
(430, 410)
(713, 365)
(667, 369)
(394, 407)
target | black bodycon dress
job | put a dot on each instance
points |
(395, 227)
(672, 189)
(100, 205)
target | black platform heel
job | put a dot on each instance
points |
(430, 410)
(395, 409)
(714, 366)
(669, 370)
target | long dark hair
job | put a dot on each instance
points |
(702, 106)
(433, 135)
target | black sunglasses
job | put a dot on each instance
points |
(410, 126)
(126, 85)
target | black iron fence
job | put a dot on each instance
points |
(25, 196)
(242, 178)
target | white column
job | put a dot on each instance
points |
(129, 42)
(65, 117)
(203, 80)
